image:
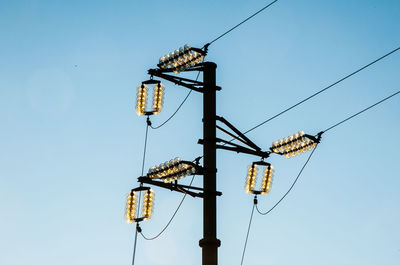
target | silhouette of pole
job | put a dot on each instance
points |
(209, 243)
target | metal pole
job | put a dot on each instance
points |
(209, 243)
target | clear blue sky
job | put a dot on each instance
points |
(71, 144)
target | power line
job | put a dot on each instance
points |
(322, 90)
(145, 144)
(167, 120)
(299, 174)
(134, 246)
(259, 11)
(358, 113)
(143, 160)
(208, 44)
(148, 123)
(176, 111)
(248, 230)
(169, 222)
(329, 128)
(291, 187)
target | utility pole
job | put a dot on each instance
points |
(209, 243)
(167, 175)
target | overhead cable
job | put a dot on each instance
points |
(208, 44)
(291, 187)
(322, 90)
(180, 105)
(143, 160)
(253, 15)
(248, 229)
(358, 113)
(329, 128)
(170, 220)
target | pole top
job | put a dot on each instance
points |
(210, 65)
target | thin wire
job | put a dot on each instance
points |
(291, 187)
(173, 114)
(144, 157)
(259, 11)
(322, 90)
(134, 247)
(358, 113)
(333, 126)
(169, 222)
(167, 120)
(248, 232)
(145, 146)
(143, 160)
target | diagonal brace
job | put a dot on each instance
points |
(238, 148)
(241, 137)
(191, 84)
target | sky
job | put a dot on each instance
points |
(71, 144)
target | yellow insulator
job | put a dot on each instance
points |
(181, 59)
(172, 170)
(130, 210)
(141, 99)
(251, 178)
(148, 202)
(293, 145)
(267, 179)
